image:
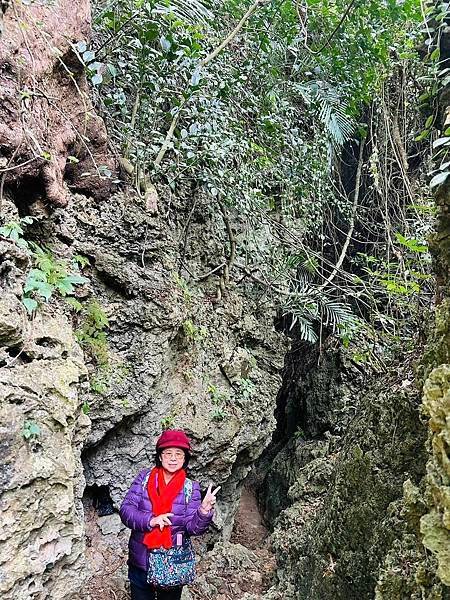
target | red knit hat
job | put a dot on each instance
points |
(173, 438)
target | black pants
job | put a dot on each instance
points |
(138, 593)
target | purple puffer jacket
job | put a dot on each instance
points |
(136, 512)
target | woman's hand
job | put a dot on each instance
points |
(209, 500)
(161, 521)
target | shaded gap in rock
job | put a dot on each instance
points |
(100, 498)
(26, 190)
(18, 354)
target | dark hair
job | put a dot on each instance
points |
(187, 457)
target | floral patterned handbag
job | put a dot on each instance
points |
(175, 566)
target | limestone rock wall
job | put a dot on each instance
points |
(175, 356)
(42, 430)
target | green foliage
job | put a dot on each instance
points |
(167, 422)
(50, 276)
(308, 310)
(183, 286)
(258, 132)
(94, 69)
(92, 336)
(412, 244)
(193, 333)
(219, 398)
(31, 430)
(13, 230)
(247, 388)
(108, 374)
(299, 434)
(436, 16)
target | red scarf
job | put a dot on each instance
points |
(162, 495)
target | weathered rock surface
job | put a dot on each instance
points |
(42, 430)
(334, 498)
(435, 524)
(46, 114)
(174, 356)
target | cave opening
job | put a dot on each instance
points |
(99, 497)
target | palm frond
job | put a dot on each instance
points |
(307, 308)
(336, 314)
(331, 110)
(337, 123)
(305, 327)
(193, 11)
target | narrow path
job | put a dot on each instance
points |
(243, 565)
(249, 529)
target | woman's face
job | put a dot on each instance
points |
(172, 459)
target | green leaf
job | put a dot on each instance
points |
(429, 122)
(77, 279)
(97, 79)
(22, 243)
(422, 135)
(410, 243)
(83, 261)
(165, 44)
(439, 179)
(30, 304)
(442, 141)
(65, 286)
(44, 289)
(81, 47)
(30, 429)
(435, 55)
(88, 56)
(112, 69)
(34, 429)
(75, 304)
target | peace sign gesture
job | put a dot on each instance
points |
(209, 500)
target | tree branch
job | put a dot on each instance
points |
(203, 63)
(338, 265)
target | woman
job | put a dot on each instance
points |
(163, 508)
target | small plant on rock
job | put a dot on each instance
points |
(168, 421)
(219, 399)
(193, 333)
(31, 430)
(50, 276)
(246, 388)
(13, 231)
(92, 335)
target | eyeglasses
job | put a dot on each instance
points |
(177, 455)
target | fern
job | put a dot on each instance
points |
(307, 309)
(195, 11)
(336, 314)
(331, 110)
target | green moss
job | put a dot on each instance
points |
(435, 524)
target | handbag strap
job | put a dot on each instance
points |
(188, 490)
